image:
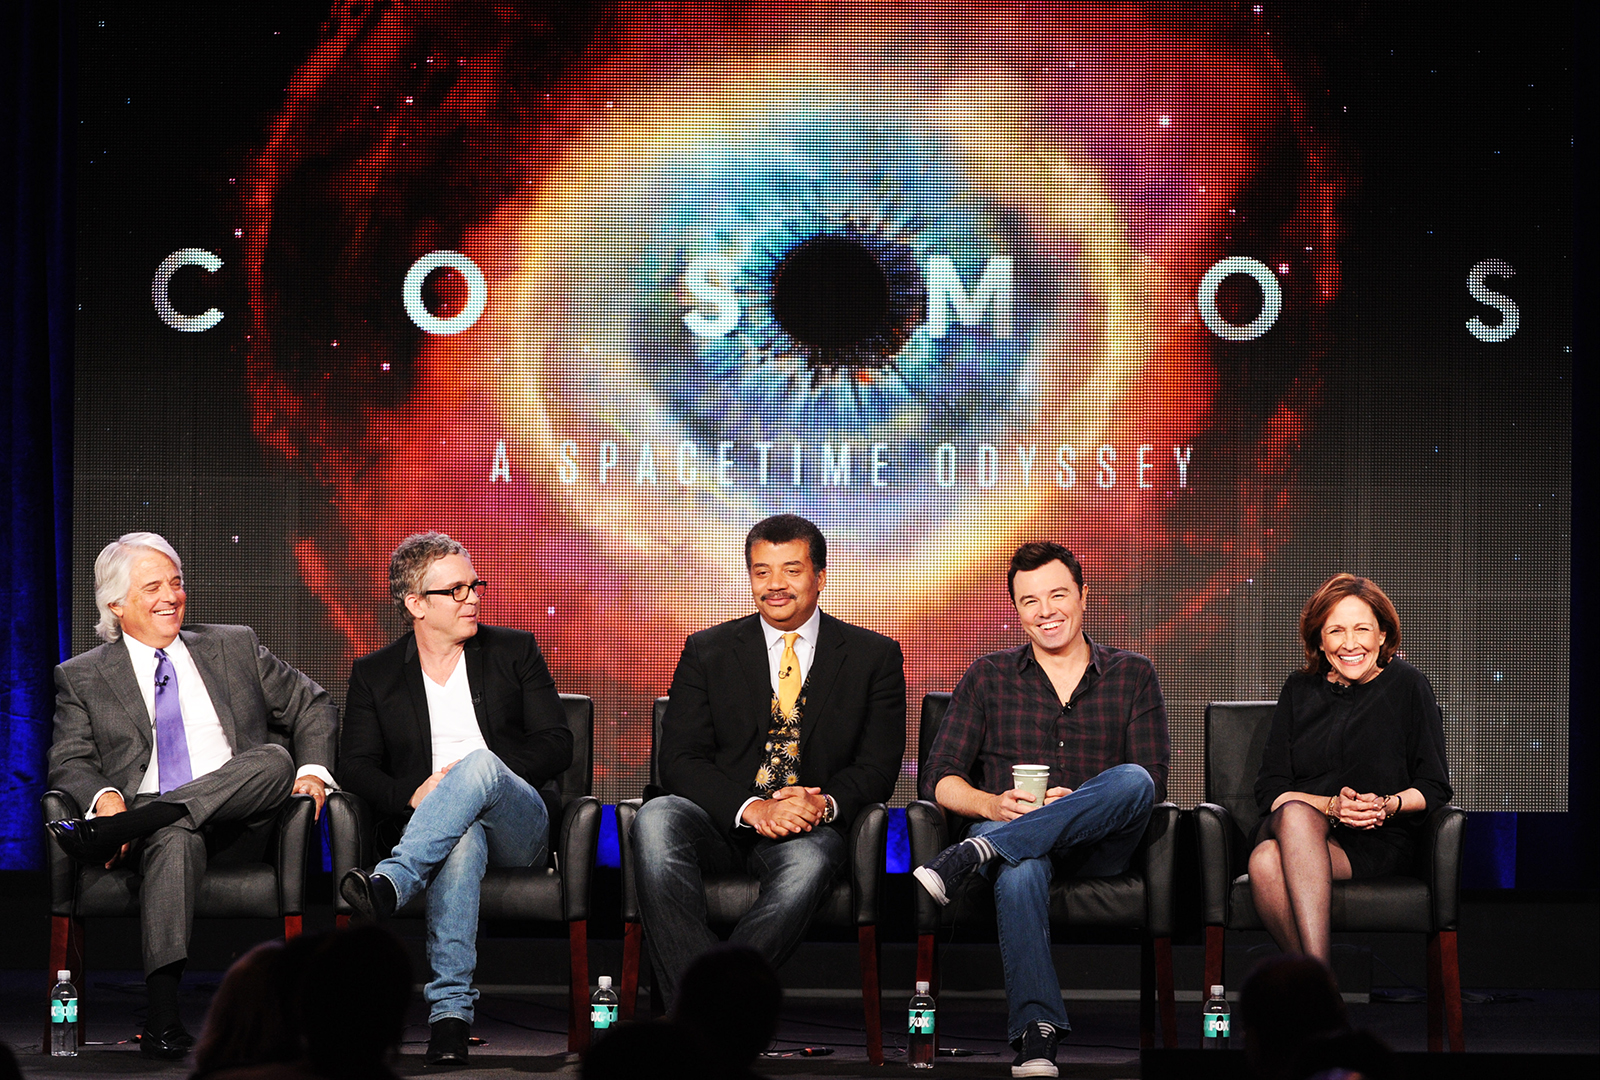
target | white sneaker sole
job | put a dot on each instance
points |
(1036, 1067)
(935, 886)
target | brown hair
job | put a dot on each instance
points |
(1043, 553)
(1315, 615)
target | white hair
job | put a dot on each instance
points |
(112, 569)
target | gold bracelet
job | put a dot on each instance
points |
(1333, 819)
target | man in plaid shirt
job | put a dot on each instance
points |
(1096, 717)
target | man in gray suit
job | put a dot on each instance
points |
(180, 742)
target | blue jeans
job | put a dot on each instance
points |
(1091, 833)
(678, 846)
(480, 814)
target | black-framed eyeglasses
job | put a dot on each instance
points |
(460, 592)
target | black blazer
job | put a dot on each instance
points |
(852, 731)
(386, 740)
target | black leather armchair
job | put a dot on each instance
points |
(1425, 901)
(852, 902)
(1140, 900)
(272, 888)
(558, 892)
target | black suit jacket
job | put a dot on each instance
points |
(852, 730)
(386, 740)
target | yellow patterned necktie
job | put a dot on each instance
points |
(789, 680)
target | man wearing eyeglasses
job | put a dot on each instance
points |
(450, 733)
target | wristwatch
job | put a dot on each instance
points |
(831, 812)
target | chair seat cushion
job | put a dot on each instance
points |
(231, 892)
(1395, 904)
(508, 892)
(1106, 902)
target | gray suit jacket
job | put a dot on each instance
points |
(102, 727)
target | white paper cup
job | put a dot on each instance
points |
(1034, 779)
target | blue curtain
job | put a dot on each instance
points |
(36, 244)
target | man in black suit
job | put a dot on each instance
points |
(181, 743)
(449, 733)
(781, 726)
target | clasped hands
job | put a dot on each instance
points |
(1357, 811)
(788, 812)
(1012, 804)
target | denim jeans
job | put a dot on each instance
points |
(481, 814)
(1091, 833)
(678, 846)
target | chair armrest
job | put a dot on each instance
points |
(627, 810)
(868, 838)
(1159, 860)
(350, 839)
(1215, 831)
(580, 835)
(1442, 842)
(929, 830)
(295, 828)
(57, 805)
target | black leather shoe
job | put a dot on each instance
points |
(447, 1045)
(76, 837)
(370, 894)
(172, 1043)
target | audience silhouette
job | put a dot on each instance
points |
(1295, 1025)
(332, 1007)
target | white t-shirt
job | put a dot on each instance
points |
(452, 718)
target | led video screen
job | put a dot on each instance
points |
(1225, 297)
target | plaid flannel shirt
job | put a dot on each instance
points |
(1005, 712)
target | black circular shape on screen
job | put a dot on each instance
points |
(831, 293)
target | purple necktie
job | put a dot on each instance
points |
(172, 745)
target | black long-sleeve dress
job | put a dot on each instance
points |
(1381, 736)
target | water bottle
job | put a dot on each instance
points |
(602, 1008)
(919, 1029)
(64, 1017)
(1217, 1021)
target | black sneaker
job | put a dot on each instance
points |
(944, 871)
(1038, 1054)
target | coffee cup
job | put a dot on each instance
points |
(1034, 779)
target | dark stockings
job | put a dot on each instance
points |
(1291, 878)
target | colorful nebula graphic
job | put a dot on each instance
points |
(949, 252)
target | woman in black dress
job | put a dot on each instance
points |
(1354, 761)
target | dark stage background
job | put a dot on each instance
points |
(642, 192)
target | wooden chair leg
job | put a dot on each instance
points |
(1444, 992)
(1436, 994)
(871, 993)
(1164, 994)
(578, 993)
(1216, 954)
(925, 957)
(292, 927)
(632, 943)
(1147, 993)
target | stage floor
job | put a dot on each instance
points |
(525, 1031)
